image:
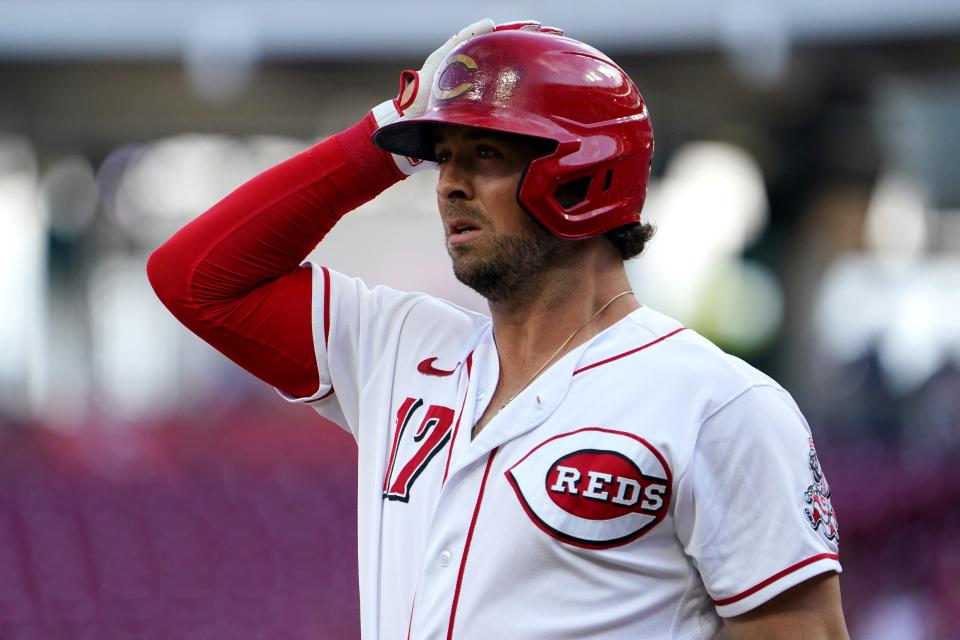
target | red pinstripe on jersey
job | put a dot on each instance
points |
(326, 319)
(777, 576)
(631, 352)
(456, 427)
(326, 306)
(466, 547)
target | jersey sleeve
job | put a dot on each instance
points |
(356, 329)
(753, 508)
(233, 275)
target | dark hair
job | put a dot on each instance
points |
(630, 239)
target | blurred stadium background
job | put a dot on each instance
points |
(807, 193)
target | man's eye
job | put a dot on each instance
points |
(487, 152)
(442, 156)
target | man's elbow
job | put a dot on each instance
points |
(168, 278)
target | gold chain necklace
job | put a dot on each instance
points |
(559, 349)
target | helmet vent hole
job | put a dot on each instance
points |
(607, 179)
(572, 193)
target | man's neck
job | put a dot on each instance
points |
(533, 333)
(527, 334)
(532, 324)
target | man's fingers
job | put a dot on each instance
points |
(480, 26)
(522, 25)
(528, 25)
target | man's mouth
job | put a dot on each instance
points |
(462, 230)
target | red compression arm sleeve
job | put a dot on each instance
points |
(233, 275)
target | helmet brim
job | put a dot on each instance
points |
(416, 137)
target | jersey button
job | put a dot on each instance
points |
(445, 558)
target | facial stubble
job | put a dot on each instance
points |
(513, 265)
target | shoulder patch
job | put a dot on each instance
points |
(595, 488)
(820, 513)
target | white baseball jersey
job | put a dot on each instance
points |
(644, 486)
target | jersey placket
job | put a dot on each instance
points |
(447, 567)
(528, 410)
(446, 554)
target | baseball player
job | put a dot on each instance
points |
(576, 465)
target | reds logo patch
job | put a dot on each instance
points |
(820, 513)
(594, 488)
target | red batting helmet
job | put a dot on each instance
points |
(547, 86)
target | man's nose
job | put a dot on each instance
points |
(454, 182)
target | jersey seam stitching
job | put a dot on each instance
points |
(691, 581)
(754, 385)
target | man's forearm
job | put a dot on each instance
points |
(232, 276)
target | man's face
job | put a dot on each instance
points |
(495, 246)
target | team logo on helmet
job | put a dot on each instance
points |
(456, 77)
(594, 487)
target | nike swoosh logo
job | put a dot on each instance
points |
(426, 368)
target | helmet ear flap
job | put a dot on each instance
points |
(591, 201)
